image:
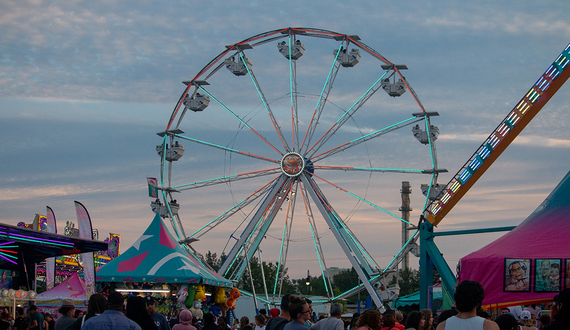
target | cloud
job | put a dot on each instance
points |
(30, 193)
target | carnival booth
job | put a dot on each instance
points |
(531, 263)
(156, 264)
(438, 297)
(72, 288)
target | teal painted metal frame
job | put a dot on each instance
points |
(430, 256)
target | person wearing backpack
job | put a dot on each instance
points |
(279, 322)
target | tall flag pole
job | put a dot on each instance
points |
(86, 232)
(50, 227)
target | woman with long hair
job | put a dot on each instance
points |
(260, 322)
(243, 321)
(389, 320)
(97, 305)
(370, 319)
(526, 321)
(355, 318)
(427, 318)
(136, 311)
(414, 321)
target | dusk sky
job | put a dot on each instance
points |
(85, 87)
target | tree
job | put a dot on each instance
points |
(213, 261)
(346, 279)
(244, 283)
(270, 273)
(409, 280)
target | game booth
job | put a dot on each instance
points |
(531, 263)
(158, 265)
(72, 288)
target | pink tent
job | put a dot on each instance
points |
(72, 288)
(530, 263)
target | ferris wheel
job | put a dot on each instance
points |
(294, 126)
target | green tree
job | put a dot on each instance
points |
(346, 279)
(213, 261)
(409, 280)
(244, 283)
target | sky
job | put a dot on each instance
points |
(85, 87)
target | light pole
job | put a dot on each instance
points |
(308, 282)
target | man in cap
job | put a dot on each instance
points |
(562, 316)
(112, 318)
(159, 319)
(96, 306)
(67, 311)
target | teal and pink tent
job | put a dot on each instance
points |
(156, 257)
(530, 264)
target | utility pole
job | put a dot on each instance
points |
(405, 208)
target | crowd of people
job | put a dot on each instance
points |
(296, 313)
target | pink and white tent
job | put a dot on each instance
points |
(530, 264)
(72, 288)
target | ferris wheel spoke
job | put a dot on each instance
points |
(403, 251)
(238, 118)
(233, 210)
(260, 230)
(225, 179)
(367, 137)
(351, 243)
(347, 115)
(293, 97)
(322, 100)
(225, 148)
(317, 242)
(286, 237)
(359, 258)
(276, 194)
(409, 87)
(264, 101)
(363, 200)
(373, 169)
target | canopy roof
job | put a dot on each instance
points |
(545, 234)
(414, 298)
(157, 258)
(22, 245)
(72, 288)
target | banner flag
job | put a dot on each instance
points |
(50, 227)
(152, 187)
(39, 222)
(86, 232)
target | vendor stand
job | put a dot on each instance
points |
(157, 264)
(72, 288)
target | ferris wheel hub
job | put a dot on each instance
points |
(292, 164)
